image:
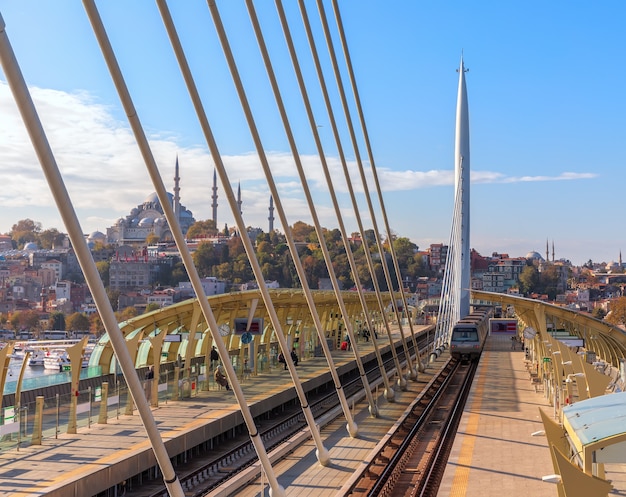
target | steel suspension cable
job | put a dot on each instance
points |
(368, 146)
(401, 380)
(411, 371)
(322, 453)
(372, 405)
(54, 179)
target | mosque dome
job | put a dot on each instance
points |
(160, 221)
(120, 222)
(31, 246)
(146, 222)
(134, 212)
(535, 256)
(97, 236)
(154, 199)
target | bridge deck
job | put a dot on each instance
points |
(76, 464)
(494, 453)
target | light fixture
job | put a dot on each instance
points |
(566, 363)
(551, 478)
(573, 375)
(539, 433)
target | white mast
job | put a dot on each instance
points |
(462, 188)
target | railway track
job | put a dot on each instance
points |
(205, 473)
(413, 459)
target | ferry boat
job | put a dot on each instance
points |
(36, 358)
(58, 360)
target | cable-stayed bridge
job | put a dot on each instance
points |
(264, 324)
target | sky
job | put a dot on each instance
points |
(546, 107)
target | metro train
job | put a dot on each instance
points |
(469, 334)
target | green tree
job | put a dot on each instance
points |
(78, 322)
(57, 321)
(152, 306)
(50, 238)
(104, 268)
(529, 280)
(205, 258)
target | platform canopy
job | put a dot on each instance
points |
(596, 428)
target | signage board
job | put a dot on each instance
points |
(256, 326)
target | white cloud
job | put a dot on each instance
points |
(105, 175)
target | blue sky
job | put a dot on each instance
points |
(546, 105)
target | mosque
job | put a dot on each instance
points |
(149, 218)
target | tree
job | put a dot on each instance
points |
(202, 229)
(598, 313)
(617, 312)
(152, 239)
(152, 306)
(528, 280)
(57, 321)
(104, 268)
(126, 314)
(205, 259)
(50, 238)
(78, 322)
(25, 231)
(95, 324)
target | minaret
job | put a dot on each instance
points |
(547, 251)
(553, 259)
(176, 205)
(214, 197)
(239, 197)
(271, 217)
(462, 187)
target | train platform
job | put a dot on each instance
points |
(494, 452)
(71, 465)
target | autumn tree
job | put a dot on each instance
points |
(95, 324)
(78, 322)
(617, 312)
(152, 239)
(202, 229)
(24, 231)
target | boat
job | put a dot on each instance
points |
(58, 360)
(37, 358)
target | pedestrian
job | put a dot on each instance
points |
(220, 378)
(347, 342)
(281, 359)
(148, 383)
(294, 357)
(214, 357)
(513, 342)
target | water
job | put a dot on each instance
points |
(39, 377)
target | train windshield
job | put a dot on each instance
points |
(464, 335)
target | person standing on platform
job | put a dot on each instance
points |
(148, 383)
(294, 356)
(214, 357)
